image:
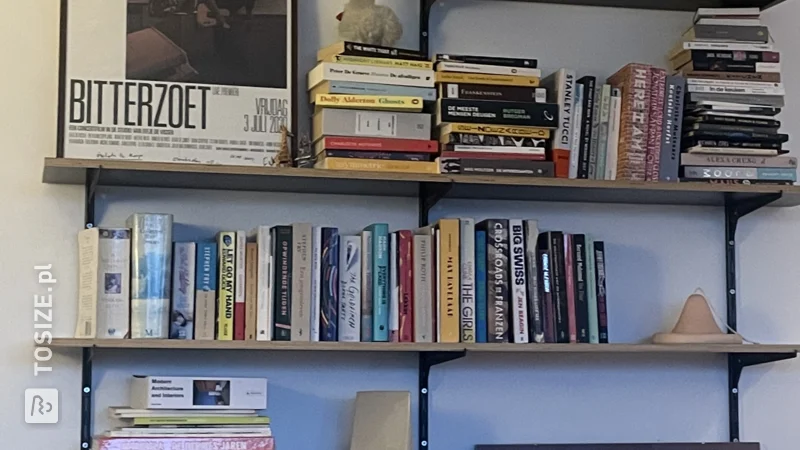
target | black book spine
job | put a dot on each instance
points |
(735, 144)
(673, 125)
(535, 315)
(736, 136)
(545, 289)
(737, 128)
(378, 51)
(487, 92)
(586, 127)
(724, 120)
(540, 115)
(394, 156)
(600, 279)
(490, 60)
(495, 140)
(715, 56)
(510, 167)
(724, 65)
(282, 238)
(559, 286)
(581, 289)
(497, 274)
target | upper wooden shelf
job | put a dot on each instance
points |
(145, 344)
(664, 5)
(190, 176)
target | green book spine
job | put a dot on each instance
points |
(594, 324)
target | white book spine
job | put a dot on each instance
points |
(183, 291)
(423, 300)
(316, 284)
(394, 291)
(104, 283)
(151, 274)
(735, 83)
(563, 87)
(301, 282)
(728, 46)
(486, 69)
(239, 288)
(577, 118)
(366, 286)
(612, 154)
(708, 89)
(531, 151)
(467, 233)
(350, 289)
(370, 74)
(519, 287)
(265, 282)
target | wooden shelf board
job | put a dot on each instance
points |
(146, 344)
(664, 5)
(189, 176)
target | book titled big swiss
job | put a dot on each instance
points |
(183, 443)
(157, 392)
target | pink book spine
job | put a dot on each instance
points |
(658, 81)
(572, 319)
(186, 443)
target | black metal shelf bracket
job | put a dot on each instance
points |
(424, 25)
(737, 362)
(429, 195)
(87, 392)
(92, 180)
(426, 361)
(735, 209)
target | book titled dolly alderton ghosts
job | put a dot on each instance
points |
(188, 81)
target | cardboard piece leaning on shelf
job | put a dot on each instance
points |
(697, 325)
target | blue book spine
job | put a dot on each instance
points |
(354, 88)
(480, 287)
(329, 283)
(380, 282)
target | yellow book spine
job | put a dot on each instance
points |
(475, 78)
(383, 62)
(211, 420)
(497, 130)
(377, 165)
(449, 288)
(373, 102)
(227, 281)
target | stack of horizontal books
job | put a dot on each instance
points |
(368, 109)
(492, 116)
(733, 76)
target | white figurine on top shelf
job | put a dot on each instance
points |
(365, 22)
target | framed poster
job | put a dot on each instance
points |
(186, 81)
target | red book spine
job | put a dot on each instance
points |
(494, 155)
(238, 321)
(379, 144)
(405, 250)
(205, 443)
(658, 81)
(572, 319)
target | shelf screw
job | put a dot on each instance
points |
(731, 243)
(85, 445)
(424, 34)
(735, 390)
(424, 390)
(89, 226)
(86, 390)
(424, 443)
(733, 291)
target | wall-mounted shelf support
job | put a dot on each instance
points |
(429, 195)
(735, 209)
(424, 25)
(87, 393)
(426, 361)
(92, 179)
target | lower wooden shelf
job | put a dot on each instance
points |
(148, 344)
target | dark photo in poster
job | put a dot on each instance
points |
(222, 42)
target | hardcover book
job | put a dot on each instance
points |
(151, 273)
(183, 290)
(226, 242)
(635, 83)
(104, 280)
(518, 280)
(498, 287)
(329, 285)
(561, 90)
(350, 288)
(282, 249)
(206, 295)
(655, 127)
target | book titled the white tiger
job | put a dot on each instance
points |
(104, 278)
(350, 289)
(151, 273)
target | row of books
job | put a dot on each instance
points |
(454, 281)
(191, 412)
(732, 76)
